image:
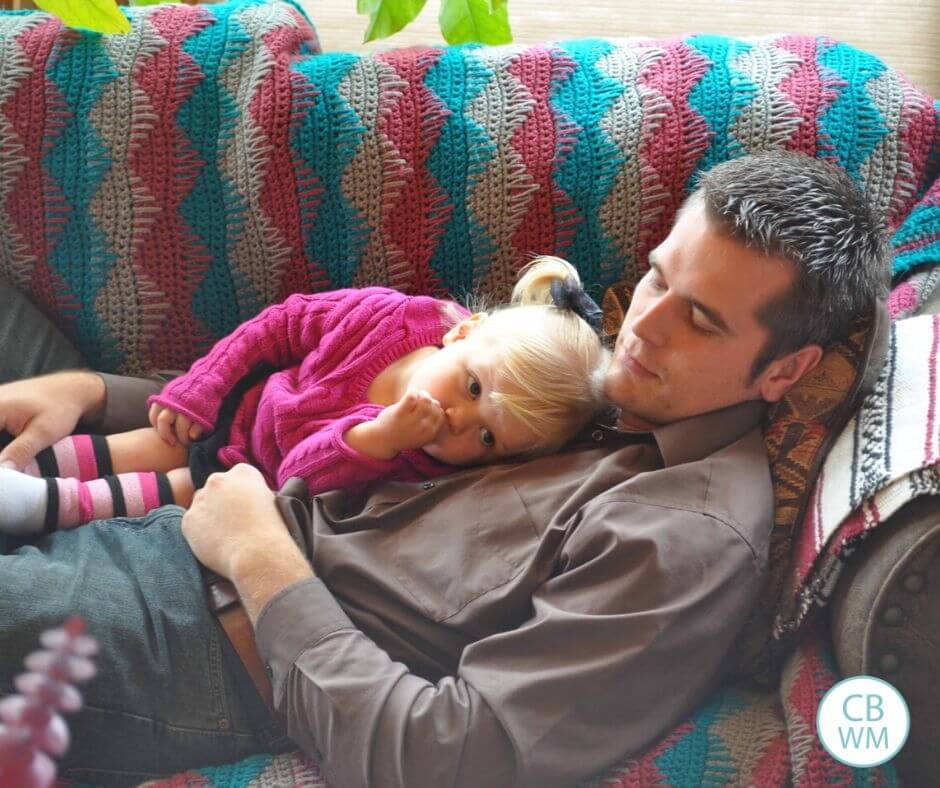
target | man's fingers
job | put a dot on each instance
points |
(32, 440)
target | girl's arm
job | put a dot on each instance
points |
(281, 336)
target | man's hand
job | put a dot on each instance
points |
(234, 528)
(173, 426)
(42, 410)
(412, 422)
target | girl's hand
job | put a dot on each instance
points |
(412, 422)
(173, 426)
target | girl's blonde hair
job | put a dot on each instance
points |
(552, 375)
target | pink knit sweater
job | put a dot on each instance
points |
(327, 348)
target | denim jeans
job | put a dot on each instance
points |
(170, 693)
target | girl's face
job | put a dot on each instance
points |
(460, 377)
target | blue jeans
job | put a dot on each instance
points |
(170, 694)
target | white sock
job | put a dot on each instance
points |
(23, 502)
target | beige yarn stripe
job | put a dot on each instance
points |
(637, 197)
(769, 119)
(260, 252)
(372, 179)
(501, 195)
(123, 208)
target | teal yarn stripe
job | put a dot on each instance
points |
(325, 140)
(589, 171)
(456, 161)
(236, 775)
(701, 757)
(213, 208)
(719, 96)
(852, 124)
(80, 254)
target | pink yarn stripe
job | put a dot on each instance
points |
(85, 455)
(66, 457)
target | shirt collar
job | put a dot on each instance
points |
(697, 437)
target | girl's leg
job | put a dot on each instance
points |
(145, 479)
(88, 457)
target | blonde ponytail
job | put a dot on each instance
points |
(535, 280)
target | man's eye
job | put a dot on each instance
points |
(655, 282)
(700, 324)
(473, 386)
(487, 438)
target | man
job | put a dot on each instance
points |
(521, 624)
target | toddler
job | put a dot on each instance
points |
(340, 388)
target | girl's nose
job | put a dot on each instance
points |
(456, 419)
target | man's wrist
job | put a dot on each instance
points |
(261, 572)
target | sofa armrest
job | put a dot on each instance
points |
(885, 617)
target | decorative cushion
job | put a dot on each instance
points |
(432, 170)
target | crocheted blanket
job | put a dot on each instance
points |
(435, 170)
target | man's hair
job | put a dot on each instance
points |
(810, 212)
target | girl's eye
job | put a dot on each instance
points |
(487, 438)
(655, 282)
(473, 386)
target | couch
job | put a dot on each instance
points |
(159, 188)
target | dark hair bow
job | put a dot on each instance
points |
(568, 294)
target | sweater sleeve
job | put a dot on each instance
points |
(281, 336)
(326, 462)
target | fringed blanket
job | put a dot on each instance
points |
(884, 458)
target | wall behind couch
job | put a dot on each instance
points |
(904, 33)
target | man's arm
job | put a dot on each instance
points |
(621, 646)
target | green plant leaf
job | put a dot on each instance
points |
(151, 2)
(102, 16)
(387, 17)
(484, 21)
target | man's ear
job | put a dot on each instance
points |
(464, 328)
(783, 373)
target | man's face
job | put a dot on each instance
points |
(691, 333)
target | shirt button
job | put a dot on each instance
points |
(597, 435)
(269, 671)
(427, 485)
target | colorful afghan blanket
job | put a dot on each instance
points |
(437, 170)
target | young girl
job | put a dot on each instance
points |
(340, 388)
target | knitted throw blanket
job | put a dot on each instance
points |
(160, 188)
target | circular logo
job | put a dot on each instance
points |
(863, 721)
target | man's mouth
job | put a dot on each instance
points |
(636, 367)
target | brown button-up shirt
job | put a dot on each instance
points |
(528, 624)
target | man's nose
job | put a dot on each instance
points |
(651, 323)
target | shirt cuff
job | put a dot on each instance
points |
(125, 406)
(293, 621)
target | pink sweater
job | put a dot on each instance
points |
(327, 348)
